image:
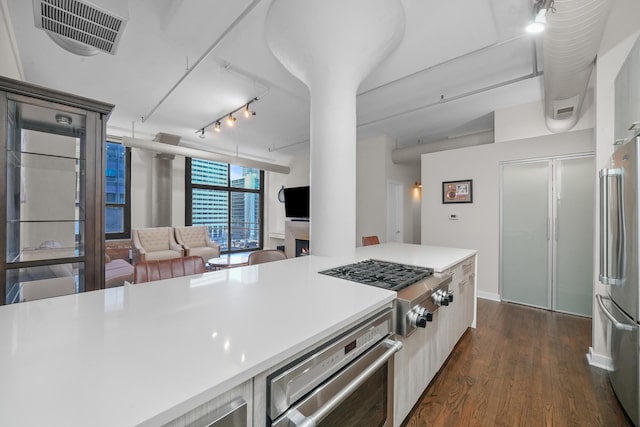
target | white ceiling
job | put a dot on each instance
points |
(445, 79)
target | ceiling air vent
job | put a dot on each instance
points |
(82, 27)
(564, 108)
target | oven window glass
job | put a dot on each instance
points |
(367, 406)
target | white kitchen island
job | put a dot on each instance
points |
(146, 354)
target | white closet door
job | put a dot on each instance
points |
(526, 241)
(574, 183)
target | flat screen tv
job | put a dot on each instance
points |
(296, 202)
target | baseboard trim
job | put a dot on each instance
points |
(489, 295)
(599, 360)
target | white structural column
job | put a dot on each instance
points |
(331, 46)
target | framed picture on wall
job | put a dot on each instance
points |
(457, 191)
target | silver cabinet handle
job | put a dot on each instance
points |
(618, 325)
(299, 420)
(634, 126)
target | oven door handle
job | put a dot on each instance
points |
(299, 420)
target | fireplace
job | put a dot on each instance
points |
(296, 236)
(302, 247)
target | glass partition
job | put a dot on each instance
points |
(526, 233)
(574, 198)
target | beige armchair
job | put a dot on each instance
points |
(196, 242)
(156, 243)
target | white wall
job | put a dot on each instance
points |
(10, 65)
(622, 30)
(479, 222)
(374, 169)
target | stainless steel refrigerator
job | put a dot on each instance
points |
(619, 269)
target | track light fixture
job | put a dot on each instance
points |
(539, 21)
(247, 112)
(229, 118)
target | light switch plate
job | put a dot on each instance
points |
(454, 217)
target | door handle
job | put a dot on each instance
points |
(618, 325)
(610, 256)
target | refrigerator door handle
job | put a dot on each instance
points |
(618, 325)
(610, 257)
(634, 126)
(548, 227)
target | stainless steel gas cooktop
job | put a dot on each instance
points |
(383, 274)
(420, 292)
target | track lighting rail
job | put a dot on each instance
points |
(229, 116)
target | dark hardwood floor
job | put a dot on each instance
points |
(520, 367)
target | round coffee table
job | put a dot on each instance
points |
(229, 260)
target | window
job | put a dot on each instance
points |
(228, 200)
(117, 191)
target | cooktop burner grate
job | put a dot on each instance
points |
(383, 274)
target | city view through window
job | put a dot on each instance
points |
(117, 219)
(227, 199)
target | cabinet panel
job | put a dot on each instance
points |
(237, 404)
(627, 97)
(463, 307)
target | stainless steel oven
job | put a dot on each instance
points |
(347, 382)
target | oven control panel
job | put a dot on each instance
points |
(353, 349)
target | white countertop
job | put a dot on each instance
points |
(145, 354)
(437, 257)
